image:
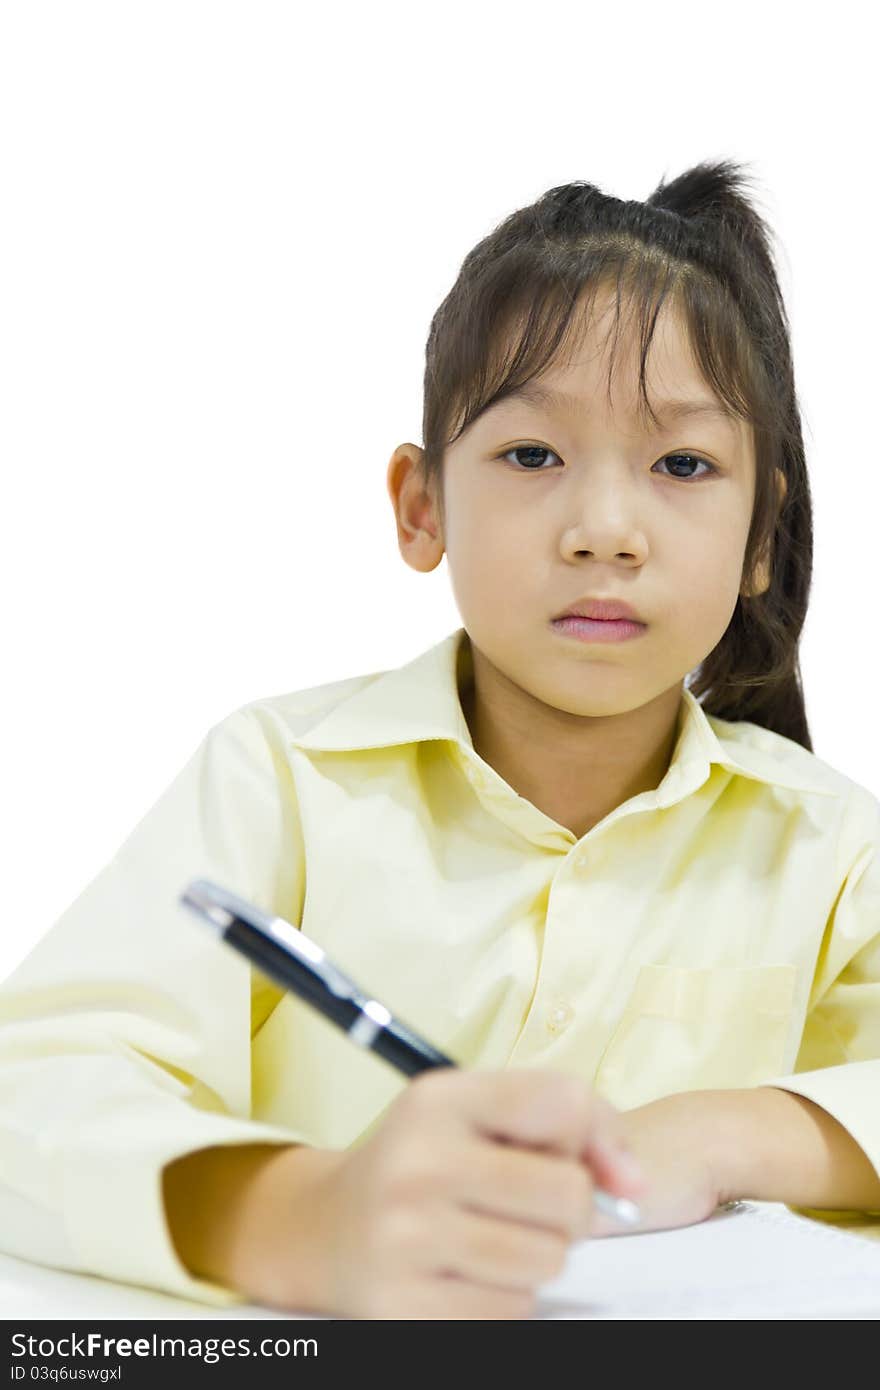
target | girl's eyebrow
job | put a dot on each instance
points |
(546, 397)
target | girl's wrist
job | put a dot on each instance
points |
(241, 1216)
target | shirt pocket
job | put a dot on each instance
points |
(693, 1029)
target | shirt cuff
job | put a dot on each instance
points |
(113, 1205)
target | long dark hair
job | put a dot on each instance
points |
(699, 240)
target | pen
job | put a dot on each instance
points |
(283, 953)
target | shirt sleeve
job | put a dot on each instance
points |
(125, 1035)
(838, 1063)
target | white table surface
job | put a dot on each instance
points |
(30, 1291)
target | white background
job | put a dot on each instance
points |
(225, 229)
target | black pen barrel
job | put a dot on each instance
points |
(394, 1042)
(407, 1052)
(294, 975)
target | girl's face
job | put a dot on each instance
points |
(548, 505)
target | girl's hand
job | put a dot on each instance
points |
(464, 1199)
(460, 1203)
(671, 1139)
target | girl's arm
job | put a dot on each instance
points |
(126, 1032)
(224, 1204)
(774, 1146)
(763, 1143)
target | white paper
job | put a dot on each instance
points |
(758, 1260)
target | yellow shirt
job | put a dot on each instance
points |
(721, 930)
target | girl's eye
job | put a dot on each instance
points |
(691, 459)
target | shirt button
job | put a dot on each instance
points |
(559, 1016)
(582, 864)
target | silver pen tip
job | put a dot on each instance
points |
(627, 1211)
(619, 1208)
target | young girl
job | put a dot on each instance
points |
(592, 857)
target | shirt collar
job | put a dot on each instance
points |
(419, 700)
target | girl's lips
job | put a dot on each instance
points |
(598, 609)
(598, 629)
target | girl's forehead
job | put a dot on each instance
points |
(594, 366)
(605, 337)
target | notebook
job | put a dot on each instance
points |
(752, 1260)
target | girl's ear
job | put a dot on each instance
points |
(419, 526)
(759, 582)
(760, 579)
(781, 486)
